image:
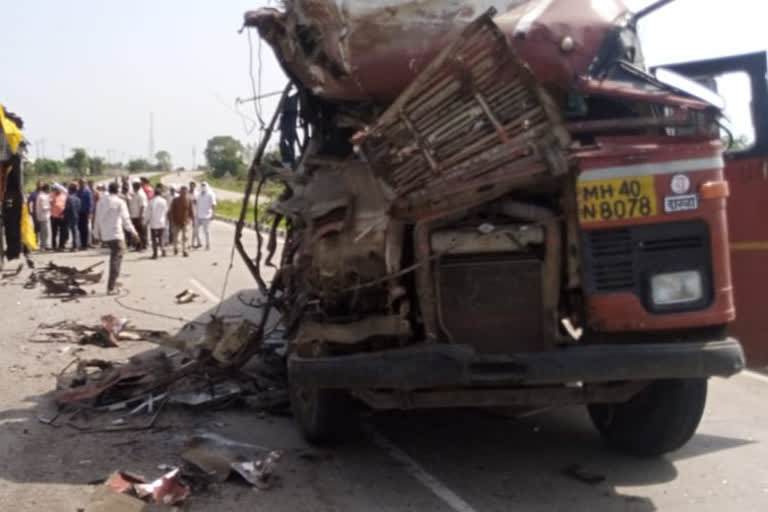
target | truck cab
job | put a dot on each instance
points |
(742, 81)
(502, 209)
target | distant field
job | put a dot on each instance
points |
(270, 189)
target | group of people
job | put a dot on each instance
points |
(60, 212)
(135, 212)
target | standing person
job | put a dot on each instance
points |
(58, 226)
(170, 193)
(147, 188)
(156, 218)
(195, 228)
(180, 215)
(112, 221)
(125, 195)
(43, 215)
(85, 194)
(31, 204)
(72, 216)
(137, 206)
(206, 206)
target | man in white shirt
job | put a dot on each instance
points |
(206, 206)
(156, 217)
(112, 221)
(43, 214)
(137, 205)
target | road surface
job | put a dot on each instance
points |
(451, 461)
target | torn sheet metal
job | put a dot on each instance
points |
(169, 489)
(475, 117)
(261, 472)
(370, 50)
(123, 481)
(218, 457)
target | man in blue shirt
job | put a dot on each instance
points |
(85, 195)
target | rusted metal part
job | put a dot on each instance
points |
(454, 127)
(371, 50)
(626, 91)
(515, 397)
(498, 239)
(253, 173)
(354, 332)
(550, 277)
(619, 124)
(493, 301)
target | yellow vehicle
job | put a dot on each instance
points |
(16, 230)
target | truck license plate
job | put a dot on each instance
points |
(686, 203)
(616, 199)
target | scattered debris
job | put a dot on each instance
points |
(8, 275)
(577, 472)
(259, 473)
(123, 482)
(108, 333)
(167, 490)
(64, 281)
(218, 457)
(186, 297)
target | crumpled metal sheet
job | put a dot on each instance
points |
(474, 118)
(370, 50)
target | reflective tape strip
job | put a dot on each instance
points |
(696, 164)
(750, 246)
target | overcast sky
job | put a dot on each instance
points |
(89, 72)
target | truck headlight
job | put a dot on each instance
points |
(677, 288)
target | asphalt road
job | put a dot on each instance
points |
(459, 461)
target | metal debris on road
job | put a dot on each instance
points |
(169, 489)
(218, 457)
(186, 297)
(108, 333)
(259, 473)
(64, 281)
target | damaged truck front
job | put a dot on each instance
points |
(495, 205)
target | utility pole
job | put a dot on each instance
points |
(194, 158)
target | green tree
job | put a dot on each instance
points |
(224, 155)
(96, 164)
(46, 167)
(163, 160)
(138, 165)
(78, 162)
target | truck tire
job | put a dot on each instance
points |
(659, 419)
(324, 415)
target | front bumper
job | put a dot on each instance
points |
(442, 366)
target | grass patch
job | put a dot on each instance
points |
(231, 210)
(270, 189)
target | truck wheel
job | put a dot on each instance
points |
(658, 420)
(324, 415)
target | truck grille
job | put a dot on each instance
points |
(622, 260)
(611, 259)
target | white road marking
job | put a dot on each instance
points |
(755, 376)
(205, 291)
(415, 470)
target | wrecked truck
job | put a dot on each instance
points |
(493, 204)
